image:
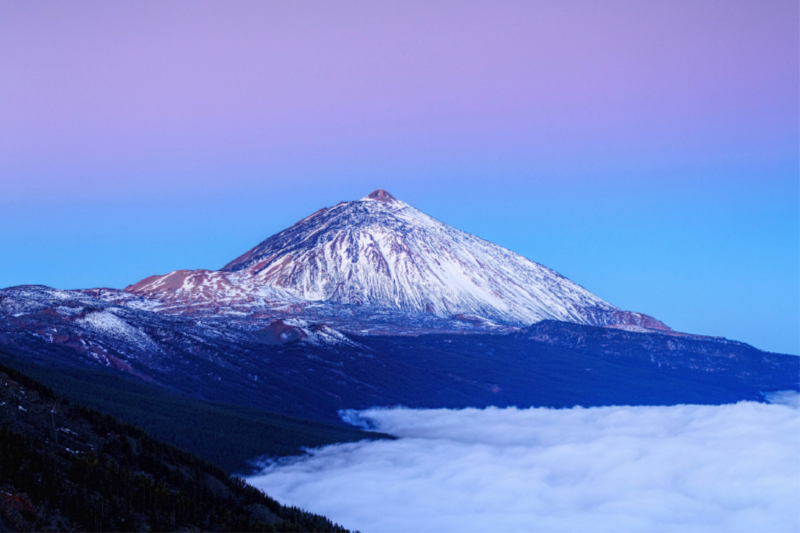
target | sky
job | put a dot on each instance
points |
(649, 151)
(690, 468)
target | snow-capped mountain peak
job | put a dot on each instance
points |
(381, 253)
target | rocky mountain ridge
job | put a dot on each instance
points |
(312, 371)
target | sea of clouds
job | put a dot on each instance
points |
(678, 468)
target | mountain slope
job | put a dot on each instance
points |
(226, 435)
(64, 467)
(379, 252)
(297, 370)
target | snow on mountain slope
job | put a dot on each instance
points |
(380, 252)
(125, 335)
(214, 291)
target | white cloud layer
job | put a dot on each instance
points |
(680, 468)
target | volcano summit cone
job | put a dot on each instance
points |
(381, 253)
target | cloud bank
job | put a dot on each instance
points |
(678, 468)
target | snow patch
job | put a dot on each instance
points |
(107, 323)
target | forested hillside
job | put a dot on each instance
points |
(67, 467)
(229, 436)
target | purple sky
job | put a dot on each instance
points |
(647, 150)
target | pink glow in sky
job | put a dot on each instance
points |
(111, 98)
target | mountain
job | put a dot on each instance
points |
(290, 327)
(364, 304)
(379, 256)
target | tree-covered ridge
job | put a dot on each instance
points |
(67, 467)
(226, 435)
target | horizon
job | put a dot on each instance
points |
(648, 153)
